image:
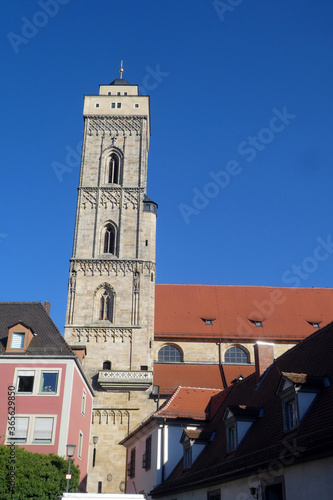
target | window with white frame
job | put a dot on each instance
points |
(18, 433)
(231, 437)
(31, 429)
(79, 448)
(291, 414)
(83, 406)
(25, 381)
(37, 382)
(49, 382)
(43, 430)
(17, 341)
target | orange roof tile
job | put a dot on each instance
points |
(169, 376)
(286, 313)
(188, 402)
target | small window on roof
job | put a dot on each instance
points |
(208, 321)
(257, 323)
(17, 340)
(315, 324)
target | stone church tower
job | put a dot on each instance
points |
(110, 312)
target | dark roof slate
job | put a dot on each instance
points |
(267, 438)
(47, 339)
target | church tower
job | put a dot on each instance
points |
(110, 311)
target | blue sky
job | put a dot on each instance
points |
(241, 149)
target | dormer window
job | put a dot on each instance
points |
(17, 340)
(291, 414)
(238, 420)
(315, 324)
(193, 441)
(19, 337)
(256, 323)
(297, 392)
(231, 437)
(208, 321)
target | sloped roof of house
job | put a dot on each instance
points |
(47, 339)
(188, 402)
(266, 440)
(285, 313)
(168, 376)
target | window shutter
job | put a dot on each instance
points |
(43, 429)
(21, 428)
(17, 341)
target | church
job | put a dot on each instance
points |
(137, 340)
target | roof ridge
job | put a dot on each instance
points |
(245, 286)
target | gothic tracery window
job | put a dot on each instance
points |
(109, 239)
(113, 174)
(106, 306)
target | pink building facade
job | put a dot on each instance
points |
(43, 386)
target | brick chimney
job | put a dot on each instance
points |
(47, 307)
(263, 356)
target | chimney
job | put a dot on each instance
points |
(263, 356)
(47, 307)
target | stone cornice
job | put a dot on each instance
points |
(100, 333)
(113, 197)
(108, 267)
(115, 125)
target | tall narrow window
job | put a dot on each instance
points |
(109, 239)
(106, 306)
(114, 169)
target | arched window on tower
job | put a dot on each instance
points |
(106, 306)
(113, 177)
(236, 355)
(169, 354)
(107, 365)
(109, 244)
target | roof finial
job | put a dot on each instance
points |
(121, 71)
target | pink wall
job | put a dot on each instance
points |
(79, 422)
(30, 404)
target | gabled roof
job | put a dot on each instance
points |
(47, 340)
(266, 440)
(286, 313)
(168, 376)
(188, 402)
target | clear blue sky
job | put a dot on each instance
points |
(241, 110)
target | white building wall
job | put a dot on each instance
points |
(306, 481)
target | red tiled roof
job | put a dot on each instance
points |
(188, 402)
(267, 441)
(285, 312)
(169, 376)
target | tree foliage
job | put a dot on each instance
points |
(34, 475)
